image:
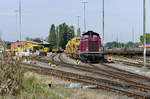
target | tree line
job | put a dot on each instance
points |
(115, 44)
(61, 34)
(130, 44)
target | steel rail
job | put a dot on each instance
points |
(134, 84)
(128, 73)
(132, 64)
(53, 72)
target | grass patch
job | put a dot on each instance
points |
(36, 88)
(117, 56)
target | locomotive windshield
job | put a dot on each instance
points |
(85, 36)
(94, 35)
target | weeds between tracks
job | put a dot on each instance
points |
(15, 83)
(11, 74)
(139, 87)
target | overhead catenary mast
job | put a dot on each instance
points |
(78, 19)
(16, 12)
(133, 34)
(84, 3)
(0, 36)
(144, 68)
(78, 25)
(20, 20)
(103, 25)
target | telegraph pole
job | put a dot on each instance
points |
(16, 12)
(133, 34)
(103, 25)
(20, 12)
(78, 26)
(84, 3)
(0, 36)
(78, 17)
(144, 68)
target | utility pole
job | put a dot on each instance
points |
(16, 12)
(78, 19)
(78, 26)
(133, 46)
(112, 37)
(117, 41)
(133, 34)
(84, 3)
(103, 25)
(0, 36)
(144, 68)
(20, 19)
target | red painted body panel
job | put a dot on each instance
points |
(90, 43)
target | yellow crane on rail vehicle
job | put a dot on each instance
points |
(72, 47)
(34, 49)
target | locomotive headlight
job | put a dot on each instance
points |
(86, 49)
(100, 49)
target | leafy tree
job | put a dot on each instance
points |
(60, 40)
(121, 45)
(78, 32)
(71, 33)
(131, 45)
(28, 38)
(33, 39)
(147, 38)
(63, 34)
(52, 35)
(114, 45)
(37, 39)
(57, 36)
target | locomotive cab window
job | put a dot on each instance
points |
(95, 35)
(85, 36)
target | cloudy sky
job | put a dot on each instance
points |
(121, 17)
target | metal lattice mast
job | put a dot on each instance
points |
(84, 3)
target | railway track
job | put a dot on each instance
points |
(141, 58)
(124, 72)
(120, 75)
(136, 85)
(131, 63)
(80, 78)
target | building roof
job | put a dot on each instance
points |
(38, 42)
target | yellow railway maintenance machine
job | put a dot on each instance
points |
(32, 49)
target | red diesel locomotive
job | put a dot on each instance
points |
(90, 48)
